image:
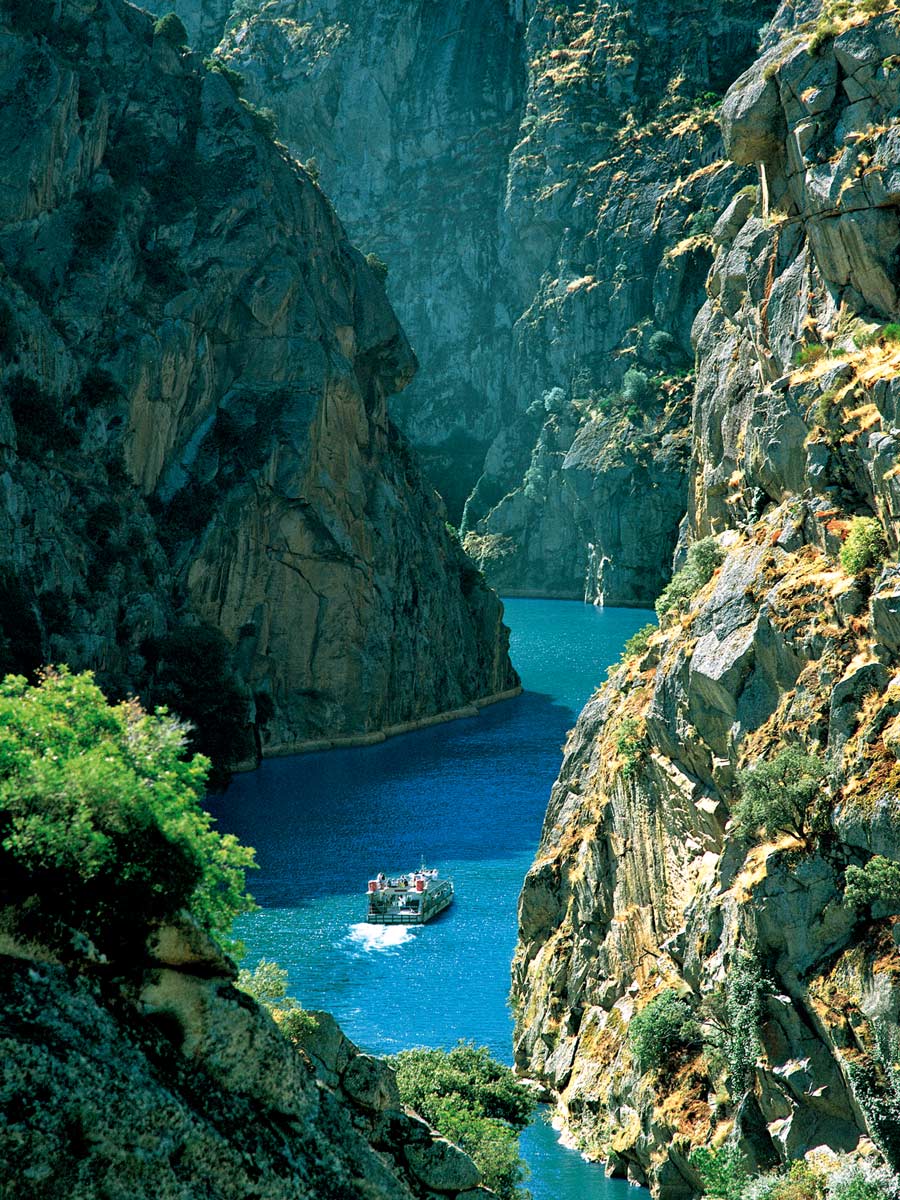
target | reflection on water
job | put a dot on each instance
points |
(470, 797)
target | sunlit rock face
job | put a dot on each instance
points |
(541, 184)
(643, 881)
(196, 443)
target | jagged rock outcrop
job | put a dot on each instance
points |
(584, 162)
(160, 1079)
(204, 498)
(644, 882)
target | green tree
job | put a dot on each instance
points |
(475, 1101)
(662, 1029)
(100, 817)
(722, 1171)
(775, 794)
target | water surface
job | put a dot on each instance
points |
(469, 796)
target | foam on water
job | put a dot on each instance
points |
(380, 937)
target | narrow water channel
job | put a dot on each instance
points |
(470, 797)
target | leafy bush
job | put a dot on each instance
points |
(170, 29)
(637, 389)
(475, 1101)
(267, 984)
(722, 1171)
(775, 794)
(865, 546)
(661, 346)
(100, 814)
(263, 119)
(891, 332)
(662, 1030)
(234, 79)
(638, 642)
(879, 879)
(862, 1181)
(378, 267)
(702, 559)
(809, 353)
(629, 746)
(743, 1009)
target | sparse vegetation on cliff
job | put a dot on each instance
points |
(702, 560)
(865, 546)
(776, 794)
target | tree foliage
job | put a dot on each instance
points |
(170, 28)
(879, 879)
(475, 1101)
(267, 984)
(100, 817)
(865, 546)
(662, 1029)
(702, 559)
(775, 794)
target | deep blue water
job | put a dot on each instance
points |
(469, 796)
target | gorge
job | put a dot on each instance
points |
(647, 257)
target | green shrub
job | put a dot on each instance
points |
(475, 1101)
(662, 1030)
(637, 388)
(661, 346)
(630, 746)
(234, 79)
(701, 223)
(263, 119)
(865, 546)
(852, 1180)
(879, 879)
(824, 31)
(378, 267)
(170, 29)
(100, 814)
(638, 642)
(809, 353)
(722, 1171)
(702, 560)
(267, 984)
(891, 332)
(743, 1009)
(775, 794)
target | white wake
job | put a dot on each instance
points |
(380, 937)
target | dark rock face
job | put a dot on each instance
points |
(197, 459)
(542, 184)
(642, 881)
(165, 1081)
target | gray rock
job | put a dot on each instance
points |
(442, 1166)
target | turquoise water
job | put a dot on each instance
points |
(469, 796)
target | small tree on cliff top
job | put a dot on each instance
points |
(776, 794)
(100, 817)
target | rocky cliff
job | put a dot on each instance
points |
(647, 890)
(541, 180)
(160, 1079)
(204, 497)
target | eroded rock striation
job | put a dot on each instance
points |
(204, 497)
(541, 182)
(158, 1078)
(645, 883)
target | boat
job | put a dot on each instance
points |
(410, 899)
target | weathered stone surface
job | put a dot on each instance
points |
(217, 361)
(640, 882)
(586, 175)
(442, 1166)
(371, 1083)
